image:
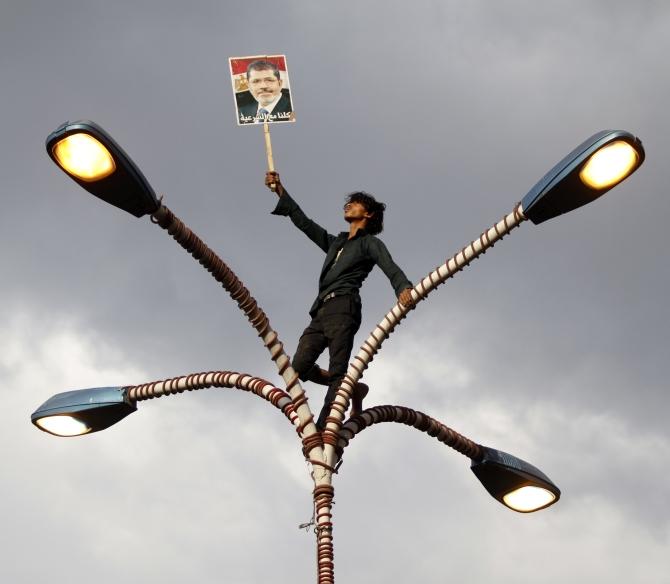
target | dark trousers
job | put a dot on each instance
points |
(334, 326)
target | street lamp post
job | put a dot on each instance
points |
(96, 162)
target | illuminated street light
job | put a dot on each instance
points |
(610, 165)
(91, 157)
(514, 482)
(83, 156)
(588, 172)
(82, 411)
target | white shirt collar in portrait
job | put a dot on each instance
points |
(268, 108)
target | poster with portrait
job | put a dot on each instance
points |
(262, 90)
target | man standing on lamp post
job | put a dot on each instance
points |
(336, 312)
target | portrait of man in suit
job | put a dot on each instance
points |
(265, 97)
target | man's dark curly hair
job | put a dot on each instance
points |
(375, 224)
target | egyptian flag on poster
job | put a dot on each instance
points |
(261, 88)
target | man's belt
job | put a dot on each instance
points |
(332, 295)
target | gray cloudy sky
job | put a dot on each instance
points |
(552, 346)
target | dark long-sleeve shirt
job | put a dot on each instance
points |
(343, 273)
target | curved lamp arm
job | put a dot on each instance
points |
(393, 318)
(227, 379)
(409, 417)
(515, 483)
(93, 159)
(256, 316)
(324, 498)
(83, 411)
(233, 285)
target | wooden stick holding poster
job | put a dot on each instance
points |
(262, 93)
(268, 150)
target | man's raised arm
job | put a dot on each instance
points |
(273, 182)
(289, 208)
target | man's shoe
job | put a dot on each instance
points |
(360, 391)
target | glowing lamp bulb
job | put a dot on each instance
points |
(63, 426)
(85, 157)
(609, 165)
(528, 498)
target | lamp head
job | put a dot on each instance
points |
(83, 411)
(514, 482)
(91, 157)
(588, 172)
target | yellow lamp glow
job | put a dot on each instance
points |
(84, 157)
(63, 426)
(609, 165)
(528, 498)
